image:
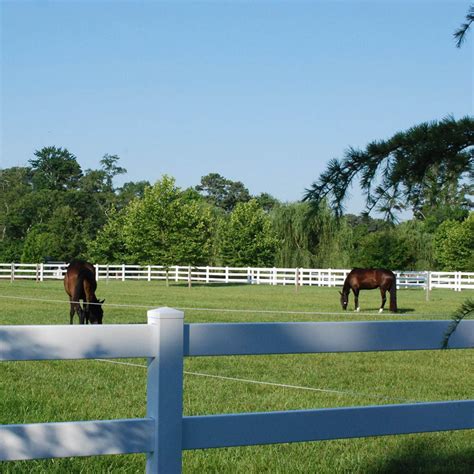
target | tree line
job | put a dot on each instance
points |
(53, 210)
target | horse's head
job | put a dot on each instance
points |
(344, 299)
(96, 313)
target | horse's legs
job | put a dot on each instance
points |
(356, 298)
(80, 312)
(75, 307)
(383, 293)
(71, 311)
(86, 310)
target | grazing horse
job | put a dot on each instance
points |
(368, 279)
(80, 284)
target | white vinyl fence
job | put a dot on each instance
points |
(164, 433)
(260, 276)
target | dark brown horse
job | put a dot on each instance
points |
(80, 284)
(369, 279)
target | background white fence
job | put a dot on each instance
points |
(164, 433)
(270, 276)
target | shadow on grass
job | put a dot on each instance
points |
(208, 285)
(386, 311)
(423, 456)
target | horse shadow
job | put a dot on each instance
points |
(387, 311)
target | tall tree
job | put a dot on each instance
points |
(55, 168)
(402, 171)
(222, 192)
(111, 169)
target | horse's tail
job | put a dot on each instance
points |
(393, 295)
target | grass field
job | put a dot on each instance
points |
(73, 390)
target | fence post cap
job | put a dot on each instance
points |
(156, 314)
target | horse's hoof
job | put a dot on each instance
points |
(381, 310)
(357, 310)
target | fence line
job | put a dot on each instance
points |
(164, 433)
(327, 277)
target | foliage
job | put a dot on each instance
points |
(454, 245)
(55, 169)
(246, 237)
(418, 240)
(267, 202)
(222, 192)
(460, 33)
(109, 244)
(310, 239)
(111, 169)
(62, 212)
(406, 246)
(421, 168)
(383, 249)
(60, 238)
(129, 191)
(166, 227)
(15, 184)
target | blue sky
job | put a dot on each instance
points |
(261, 92)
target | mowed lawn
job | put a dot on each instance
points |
(33, 392)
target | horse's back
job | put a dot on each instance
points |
(370, 278)
(79, 271)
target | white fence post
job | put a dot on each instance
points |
(165, 390)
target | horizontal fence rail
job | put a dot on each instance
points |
(164, 433)
(76, 342)
(327, 277)
(216, 339)
(217, 431)
(80, 438)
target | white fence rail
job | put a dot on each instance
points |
(260, 276)
(165, 433)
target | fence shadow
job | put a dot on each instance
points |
(427, 457)
(211, 285)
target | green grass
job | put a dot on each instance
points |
(73, 390)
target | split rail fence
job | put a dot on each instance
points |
(164, 433)
(270, 276)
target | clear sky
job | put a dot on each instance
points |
(261, 92)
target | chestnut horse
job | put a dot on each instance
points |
(80, 284)
(368, 279)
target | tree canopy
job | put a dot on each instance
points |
(222, 192)
(418, 169)
(68, 213)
